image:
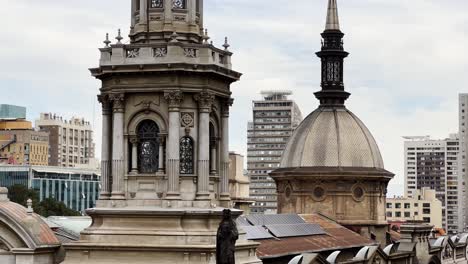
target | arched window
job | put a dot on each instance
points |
(186, 155)
(148, 146)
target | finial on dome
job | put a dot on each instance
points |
(29, 203)
(333, 21)
(206, 37)
(226, 44)
(119, 37)
(107, 41)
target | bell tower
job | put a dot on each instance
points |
(165, 99)
(155, 21)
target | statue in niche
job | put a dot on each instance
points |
(226, 239)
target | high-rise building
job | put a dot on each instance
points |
(463, 168)
(274, 119)
(71, 141)
(434, 164)
(12, 112)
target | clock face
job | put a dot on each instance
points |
(333, 71)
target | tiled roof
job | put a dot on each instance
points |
(37, 229)
(337, 237)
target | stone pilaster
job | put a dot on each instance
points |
(143, 14)
(174, 99)
(118, 158)
(214, 155)
(224, 170)
(106, 150)
(205, 101)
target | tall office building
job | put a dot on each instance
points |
(463, 133)
(71, 141)
(434, 164)
(274, 119)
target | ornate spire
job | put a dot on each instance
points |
(332, 56)
(333, 22)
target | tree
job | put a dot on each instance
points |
(47, 207)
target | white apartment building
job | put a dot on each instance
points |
(423, 207)
(463, 133)
(70, 141)
(434, 164)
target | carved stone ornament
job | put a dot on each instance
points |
(226, 104)
(160, 52)
(174, 99)
(146, 104)
(106, 104)
(205, 100)
(187, 119)
(118, 101)
(190, 52)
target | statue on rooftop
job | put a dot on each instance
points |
(226, 239)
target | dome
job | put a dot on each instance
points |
(332, 137)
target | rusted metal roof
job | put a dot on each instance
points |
(337, 237)
(37, 229)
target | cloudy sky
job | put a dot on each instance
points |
(407, 65)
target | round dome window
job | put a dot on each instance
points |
(319, 193)
(358, 193)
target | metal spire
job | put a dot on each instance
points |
(333, 22)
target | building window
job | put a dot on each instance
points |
(148, 146)
(398, 205)
(156, 3)
(427, 219)
(389, 214)
(178, 4)
(186, 155)
(397, 214)
(407, 206)
(407, 214)
(426, 211)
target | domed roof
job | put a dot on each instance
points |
(332, 137)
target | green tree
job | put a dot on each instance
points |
(47, 207)
(51, 207)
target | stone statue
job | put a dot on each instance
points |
(226, 239)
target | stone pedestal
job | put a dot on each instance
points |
(154, 235)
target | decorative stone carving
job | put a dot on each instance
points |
(146, 104)
(106, 104)
(118, 101)
(160, 52)
(226, 239)
(174, 99)
(133, 53)
(205, 101)
(187, 119)
(358, 192)
(190, 52)
(225, 106)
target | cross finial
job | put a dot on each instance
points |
(119, 37)
(107, 41)
(226, 44)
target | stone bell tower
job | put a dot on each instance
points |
(165, 147)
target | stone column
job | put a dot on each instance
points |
(118, 158)
(162, 139)
(134, 142)
(106, 147)
(143, 9)
(174, 99)
(205, 101)
(213, 159)
(224, 183)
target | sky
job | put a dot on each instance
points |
(408, 60)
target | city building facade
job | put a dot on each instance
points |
(274, 119)
(78, 189)
(434, 164)
(463, 157)
(331, 163)
(24, 147)
(12, 112)
(423, 207)
(71, 141)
